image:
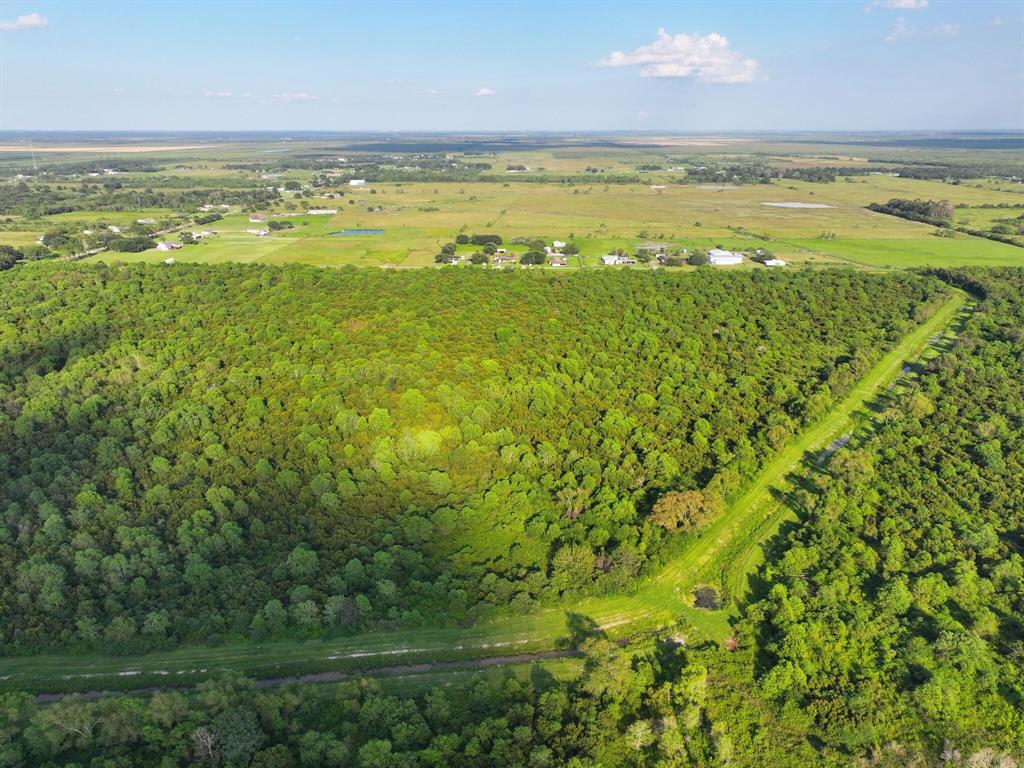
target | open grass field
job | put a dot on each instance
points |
(18, 237)
(1011, 219)
(596, 210)
(722, 555)
(417, 218)
(934, 252)
(110, 217)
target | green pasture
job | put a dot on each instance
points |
(19, 237)
(932, 251)
(418, 218)
(985, 218)
(119, 218)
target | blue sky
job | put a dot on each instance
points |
(716, 66)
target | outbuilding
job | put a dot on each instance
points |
(722, 258)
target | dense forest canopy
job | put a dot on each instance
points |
(193, 454)
(894, 614)
(888, 631)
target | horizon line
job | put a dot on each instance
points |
(506, 132)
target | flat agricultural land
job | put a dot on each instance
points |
(602, 193)
(928, 252)
(417, 218)
(118, 149)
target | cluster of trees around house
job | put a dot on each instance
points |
(940, 214)
(32, 201)
(378, 168)
(33, 165)
(70, 240)
(758, 173)
(534, 255)
(490, 245)
(212, 453)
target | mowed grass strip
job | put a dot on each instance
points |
(735, 573)
(671, 589)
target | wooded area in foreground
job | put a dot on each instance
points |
(888, 631)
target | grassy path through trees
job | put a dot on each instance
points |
(742, 565)
(662, 601)
(755, 516)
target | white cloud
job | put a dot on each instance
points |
(485, 91)
(896, 5)
(641, 115)
(28, 21)
(998, 21)
(945, 30)
(708, 59)
(900, 30)
(289, 97)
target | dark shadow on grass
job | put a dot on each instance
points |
(580, 628)
(541, 679)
